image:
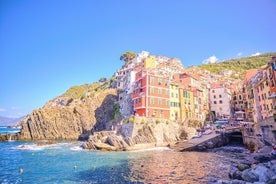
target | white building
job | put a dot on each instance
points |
(220, 101)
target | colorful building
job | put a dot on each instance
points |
(186, 98)
(174, 102)
(151, 94)
(220, 101)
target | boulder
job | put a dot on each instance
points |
(250, 176)
(116, 141)
(272, 180)
(237, 175)
(262, 172)
(262, 157)
(104, 147)
(243, 167)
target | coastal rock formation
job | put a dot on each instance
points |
(138, 136)
(73, 115)
(256, 171)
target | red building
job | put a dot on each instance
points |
(151, 94)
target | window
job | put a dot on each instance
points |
(151, 90)
(220, 101)
(167, 102)
(172, 95)
(151, 100)
(152, 80)
(215, 102)
(176, 95)
(167, 92)
(220, 96)
(272, 83)
(159, 91)
(159, 81)
(159, 101)
(240, 97)
(213, 91)
(167, 83)
(214, 96)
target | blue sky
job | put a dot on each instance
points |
(46, 46)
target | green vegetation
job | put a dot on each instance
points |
(86, 90)
(127, 56)
(116, 111)
(239, 65)
(157, 121)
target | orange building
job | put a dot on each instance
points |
(151, 94)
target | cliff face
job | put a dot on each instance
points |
(142, 133)
(73, 115)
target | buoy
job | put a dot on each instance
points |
(75, 167)
(21, 170)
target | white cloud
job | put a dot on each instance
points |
(210, 60)
(239, 54)
(15, 108)
(2, 110)
(256, 54)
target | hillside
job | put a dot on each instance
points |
(239, 65)
(72, 115)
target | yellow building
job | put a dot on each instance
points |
(174, 102)
(150, 62)
(186, 99)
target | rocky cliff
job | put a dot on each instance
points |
(73, 115)
(140, 133)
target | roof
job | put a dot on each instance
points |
(249, 74)
(216, 85)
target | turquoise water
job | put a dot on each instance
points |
(4, 130)
(55, 164)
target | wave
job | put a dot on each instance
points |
(35, 147)
(76, 148)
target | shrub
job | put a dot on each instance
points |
(167, 122)
(251, 146)
(183, 135)
(157, 121)
(70, 101)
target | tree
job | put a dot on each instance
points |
(127, 56)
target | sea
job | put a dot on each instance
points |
(68, 163)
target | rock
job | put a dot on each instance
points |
(273, 168)
(116, 141)
(231, 182)
(105, 147)
(237, 175)
(262, 172)
(262, 157)
(73, 121)
(243, 167)
(210, 145)
(272, 180)
(248, 175)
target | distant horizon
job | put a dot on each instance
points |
(48, 46)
